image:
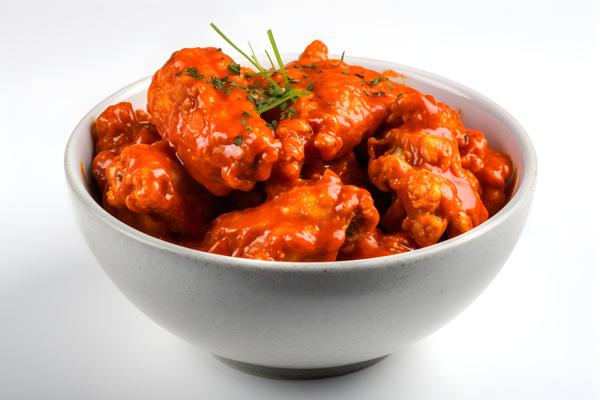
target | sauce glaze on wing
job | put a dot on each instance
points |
(310, 222)
(378, 244)
(300, 187)
(146, 187)
(217, 133)
(119, 125)
(492, 168)
(345, 104)
(420, 159)
(141, 180)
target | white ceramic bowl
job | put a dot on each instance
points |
(303, 320)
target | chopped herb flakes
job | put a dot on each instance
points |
(267, 97)
(238, 141)
(374, 81)
(246, 114)
(218, 83)
(193, 72)
(289, 113)
(235, 85)
(234, 68)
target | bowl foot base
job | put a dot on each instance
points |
(298, 373)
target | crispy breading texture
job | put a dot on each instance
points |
(221, 139)
(310, 222)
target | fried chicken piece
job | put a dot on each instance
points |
(378, 244)
(436, 151)
(417, 110)
(119, 125)
(145, 187)
(310, 222)
(197, 104)
(491, 167)
(344, 104)
(429, 201)
(346, 167)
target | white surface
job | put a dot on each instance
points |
(65, 330)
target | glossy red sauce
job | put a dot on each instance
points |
(209, 167)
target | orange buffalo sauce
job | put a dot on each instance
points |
(326, 162)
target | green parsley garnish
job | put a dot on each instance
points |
(361, 76)
(120, 176)
(234, 67)
(345, 72)
(238, 141)
(246, 114)
(374, 81)
(235, 85)
(218, 83)
(270, 60)
(248, 128)
(289, 113)
(193, 72)
(278, 57)
(264, 98)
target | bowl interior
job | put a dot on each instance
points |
(500, 128)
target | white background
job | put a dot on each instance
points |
(67, 333)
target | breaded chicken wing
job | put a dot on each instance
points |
(119, 125)
(491, 167)
(429, 201)
(197, 103)
(344, 104)
(145, 186)
(346, 167)
(310, 222)
(436, 151)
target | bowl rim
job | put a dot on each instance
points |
(523, 191)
